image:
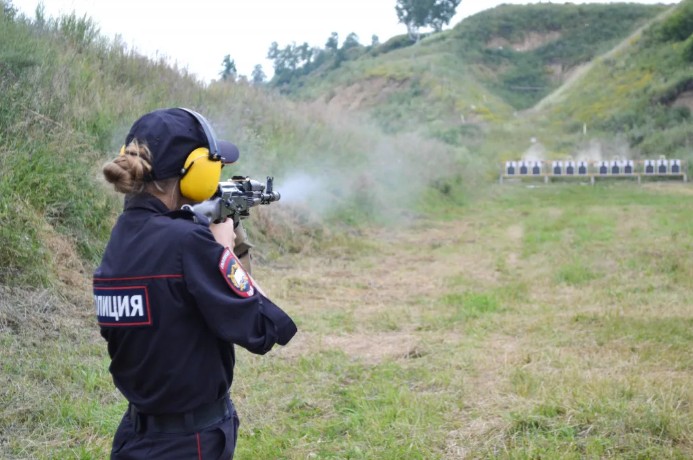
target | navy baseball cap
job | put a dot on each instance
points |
(171, 135)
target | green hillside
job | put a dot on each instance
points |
(559, 79)
(523, 53)
(453, 84)
(640, 93)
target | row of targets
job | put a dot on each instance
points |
(523, 168)
(615, 167)
(536, 168)
(582, 168)
(662, 166)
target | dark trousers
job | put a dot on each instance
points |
(217, 441)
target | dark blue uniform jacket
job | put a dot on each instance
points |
(169, 312)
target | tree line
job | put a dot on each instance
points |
(295, 60)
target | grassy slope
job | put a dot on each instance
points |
(453, 84)
(454, 89)
(629, 92)
(68, 98)
(526, 52)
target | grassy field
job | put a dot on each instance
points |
(542, 322)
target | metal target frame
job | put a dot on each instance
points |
(603, 169)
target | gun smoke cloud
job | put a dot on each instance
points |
(384, 179)
(596, 150)
(337, 165)
(377, 175)
(592, 151)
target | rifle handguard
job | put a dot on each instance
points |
(234, 199)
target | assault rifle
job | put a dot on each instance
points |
(233, 199)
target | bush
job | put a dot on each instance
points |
(674, 141)
(673, 90)
(396, 42)
(8, 10)
(678, 26)
(687, 50)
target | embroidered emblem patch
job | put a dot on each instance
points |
(122, 306)
(237, 278)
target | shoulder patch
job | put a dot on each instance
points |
(234, 274)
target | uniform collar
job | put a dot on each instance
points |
(145, 201)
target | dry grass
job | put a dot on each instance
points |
(552, 352)
(515, 329)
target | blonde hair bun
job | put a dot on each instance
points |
(128, 172)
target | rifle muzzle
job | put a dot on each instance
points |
(268, 198)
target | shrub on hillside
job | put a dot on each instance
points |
(672, 91)
(396, 42)
(688, 49)
(7, 9)
(678, 26)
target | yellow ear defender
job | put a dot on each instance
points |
(200, 175)
(201, 184)
(202, 169)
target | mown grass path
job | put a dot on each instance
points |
(551, 322)
(543, 322)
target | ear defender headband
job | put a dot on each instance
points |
(202, 169)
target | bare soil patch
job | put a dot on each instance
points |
(685, 99)
(367, 93)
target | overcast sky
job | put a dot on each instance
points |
(197, 34)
